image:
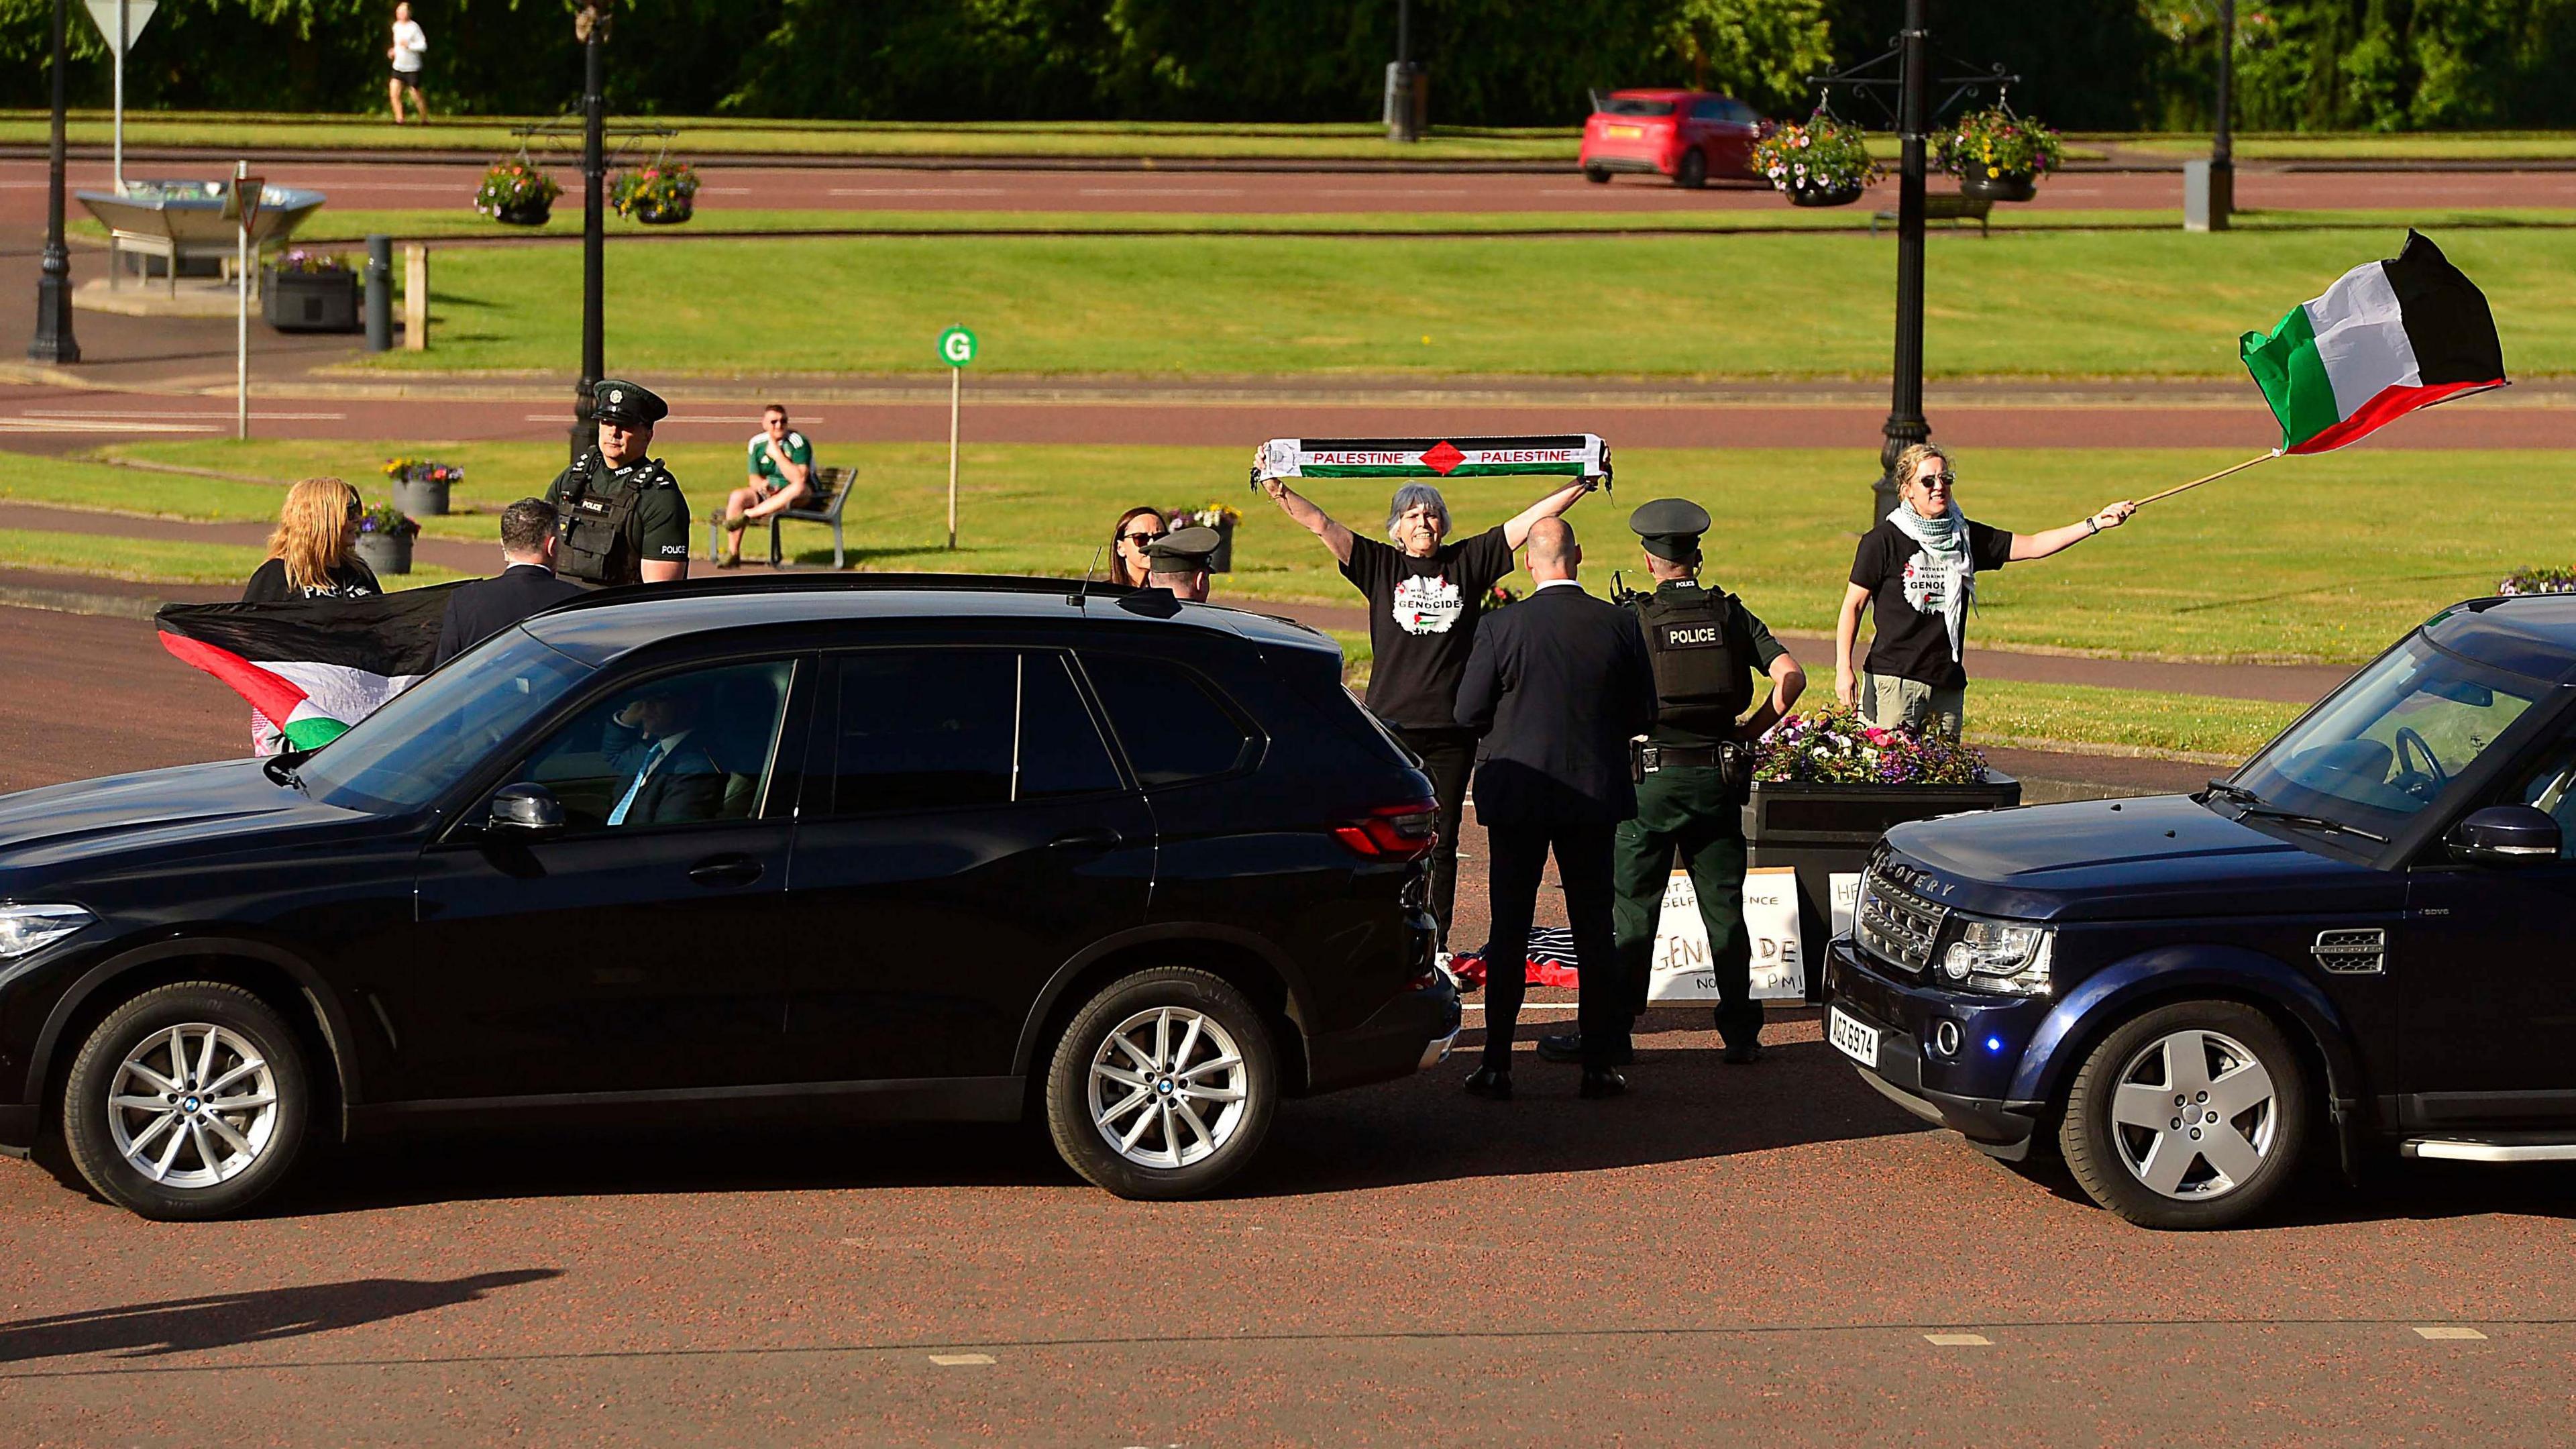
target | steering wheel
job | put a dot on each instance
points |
(2423, 784)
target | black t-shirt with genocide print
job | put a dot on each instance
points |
(1422, 621)
(1913, 640)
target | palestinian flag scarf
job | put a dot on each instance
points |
(2387, 338)
(311, 667)
(1573, 455)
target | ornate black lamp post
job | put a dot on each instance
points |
(1912, 80)
(2222, 144)
(53, 341)
(591, 25)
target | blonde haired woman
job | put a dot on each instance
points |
(313, 553)
(1917, 573)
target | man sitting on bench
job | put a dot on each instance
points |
(781, 467)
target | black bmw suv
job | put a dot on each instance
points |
(908, 847)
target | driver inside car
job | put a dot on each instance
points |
(668, 777)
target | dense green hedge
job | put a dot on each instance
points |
(2303, 64)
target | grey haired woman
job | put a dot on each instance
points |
(1425, 595)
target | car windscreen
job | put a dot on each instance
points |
(428, 737)
(2389, 741)
(1635, 106)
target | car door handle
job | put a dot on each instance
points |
(1099, 838)
(725, 870)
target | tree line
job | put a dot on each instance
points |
(2085, 64)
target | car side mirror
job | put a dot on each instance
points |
(526, 810)
(2506, 835)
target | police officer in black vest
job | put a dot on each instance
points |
(619, 516)
(1694, 770)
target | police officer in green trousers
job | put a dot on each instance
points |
(619, 516)
(1694, 770)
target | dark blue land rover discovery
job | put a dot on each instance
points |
(2358, 942)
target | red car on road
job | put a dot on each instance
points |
(1689, 136)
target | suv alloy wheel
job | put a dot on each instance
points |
(2188, 1116)
(1163, 1086)
(188, 1102)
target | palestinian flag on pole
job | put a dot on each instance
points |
(2386, 339)
(311, 667)
(1573, 455)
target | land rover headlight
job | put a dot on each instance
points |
(25, 930)
(1999, 956)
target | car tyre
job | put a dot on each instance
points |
(1597, 175)
(2228, 1120)
(187, 1103)
(1163, 1086)
(1692, 173)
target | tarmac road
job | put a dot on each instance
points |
(385, 185)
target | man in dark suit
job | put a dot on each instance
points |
(666, 777)
(525, 585)
(1557, 684)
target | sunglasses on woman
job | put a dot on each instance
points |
(1140, 539)
(1937, 480)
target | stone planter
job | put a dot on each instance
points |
(525, 213)
(421, 497)
(309, 301)
(2009, 186)
(1843, 195)
(385, 553)
(1221, 561)
(1828, 830)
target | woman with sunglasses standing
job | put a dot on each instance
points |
(1918, 571)
(1136, 531)
(311, 555)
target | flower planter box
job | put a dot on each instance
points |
(421, 497)
(1221, 561)
(1828, 830)
(385, 553)
(309, 301)
(2007, 186)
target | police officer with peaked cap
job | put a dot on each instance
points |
(619, 516)
(1178, 561)
(1694, 770)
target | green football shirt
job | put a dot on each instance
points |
(762, 467)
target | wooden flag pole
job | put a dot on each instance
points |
(2212, 478)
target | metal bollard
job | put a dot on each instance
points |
(380, 294)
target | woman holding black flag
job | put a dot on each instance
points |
(1425, 595)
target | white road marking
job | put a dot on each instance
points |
(77, 425)
(960, 1360)
(1958, 1340)
(918, 191)
(2449, 1331)
(1162, 191)
(92, 414)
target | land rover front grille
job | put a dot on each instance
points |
(1896, 925)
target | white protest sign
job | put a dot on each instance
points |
(1680, 966)
(1845, 888)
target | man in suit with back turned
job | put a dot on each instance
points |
(525, 585)
(1557, 685)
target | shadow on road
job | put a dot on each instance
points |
(230, 1320)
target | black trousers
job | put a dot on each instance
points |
(1583, 864)
(1448, 757)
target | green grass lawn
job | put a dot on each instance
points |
(2032, 303)
(2012, 713)
(334, 228)
(2325, 558)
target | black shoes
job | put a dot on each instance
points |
(1568, 1047)
(1601, 1082)
(1744, 1055)
(1489, 1084)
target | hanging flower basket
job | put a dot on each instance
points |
(1825, 162)
(517, 193)
(661, 194)
(1997, 155)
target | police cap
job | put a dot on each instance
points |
(1670, 528)
(1182, 551)
(618, 401)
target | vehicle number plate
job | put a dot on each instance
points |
(1626, 133)
(1858, 1042)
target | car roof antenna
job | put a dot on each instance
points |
(1083, 591)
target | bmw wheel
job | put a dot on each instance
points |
(1163, 1086)
(2189, 1116)
(188, 1102)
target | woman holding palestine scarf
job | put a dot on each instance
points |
(1918, 570)
(1425, 595)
